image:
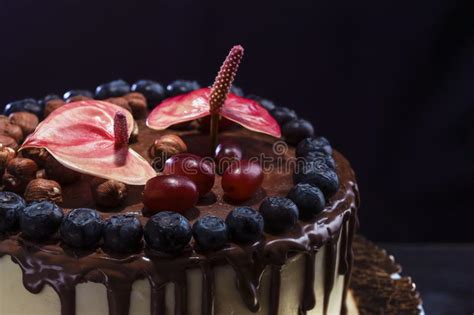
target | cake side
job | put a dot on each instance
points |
(91, 298)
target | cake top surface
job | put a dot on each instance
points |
(277, 157)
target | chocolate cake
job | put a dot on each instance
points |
(85, 242)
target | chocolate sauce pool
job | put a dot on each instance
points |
(63, 268)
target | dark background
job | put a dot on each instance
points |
(390, 83)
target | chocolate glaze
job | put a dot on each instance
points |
(63, 268)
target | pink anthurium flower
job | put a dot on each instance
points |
(216, 102)
(194, 105)
(91, 137)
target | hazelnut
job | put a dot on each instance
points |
(119, 101)
(165, 147)
(137, 103)
(134, 135)
(135, 95)
(38, 155)
(27, 121)
(19, 172)
(108, 193)
(56, 171)
(43, 189)
(52, 105)
(11, 183)
(78, 98)
(7, 141)
(6, 155)
(22, 169)
(11, 130)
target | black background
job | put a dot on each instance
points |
(390, 83)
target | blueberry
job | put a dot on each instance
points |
(153, 91)
(296, 130)
(309, 199)
(180, 87)
(283, 115)
(40, 219)
(319, 174)
(279, 214)
(11, 205)
(245, 225)
(42, 102)
(123, 233)
(112, 89)
(210, 232)
(81, 227)
(234, 89)
(320, 156)
(168, 232)
(72, 93)
(25, 105)
(317, 144)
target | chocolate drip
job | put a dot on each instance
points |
(329, 272)
(207, 306)
(275, 284)
(118, 296)
(343, 263)
(309, 297)
(249, 269)
(157, 302)
(180, 286)
(63, 268)
(349, 256)
(67, 297)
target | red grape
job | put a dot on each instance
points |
(197, 169)
(169, 193)
(242, 179)
(226, 152)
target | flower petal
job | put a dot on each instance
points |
(180, 109)
(250, 114)
(80, 136)
(127, 166)
(194, 105)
